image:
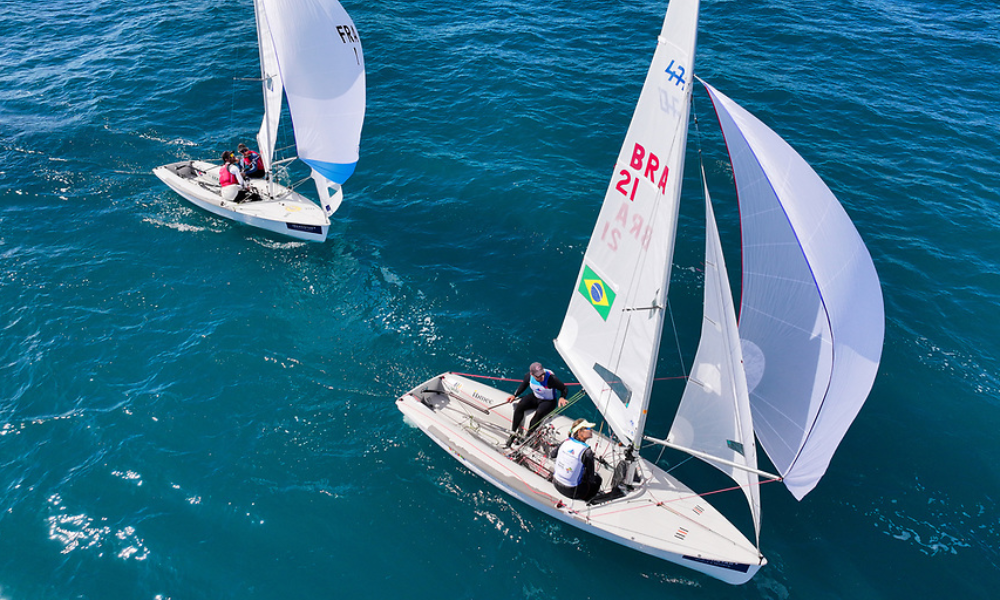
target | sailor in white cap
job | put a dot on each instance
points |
(574, 474)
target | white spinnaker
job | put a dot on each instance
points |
(323, 73)
(273, 90)
(611, 334)
(714, 413)
(811, 313)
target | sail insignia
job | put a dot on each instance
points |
(597, 292)
(735, 447)
(614, 383)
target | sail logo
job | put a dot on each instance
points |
(676, 73)
(599, 294)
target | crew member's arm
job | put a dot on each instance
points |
(520, 388)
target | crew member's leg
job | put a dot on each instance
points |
(544, 408)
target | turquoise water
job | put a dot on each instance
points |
(192, 409)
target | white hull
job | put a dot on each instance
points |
(659, 516)
(281, 210)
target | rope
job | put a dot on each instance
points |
(668, 471)
(519, 380)
(533, 431)
(677, 341)
(663, 502)
(298, 183)
(493, 378)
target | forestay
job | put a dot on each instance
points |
(811, 314)
(321, 66)
(611, 334)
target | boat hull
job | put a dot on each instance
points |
(658, 516)
(281, 210)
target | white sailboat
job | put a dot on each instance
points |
(795, 372)
(310, 53)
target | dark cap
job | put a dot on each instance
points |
(536, 369)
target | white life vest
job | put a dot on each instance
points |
(569, 468)
(538, 387)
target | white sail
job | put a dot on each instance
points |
(714, 414)
(811, 314)
(611, 334)
(323, 72)
(273, 90)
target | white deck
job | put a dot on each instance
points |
(281, 210)
(659, 515)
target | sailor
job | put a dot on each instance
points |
(545, 389)
(252, 165)
(574, 474)
(233, 186)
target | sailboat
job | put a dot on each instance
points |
(310, 53)
(792, 374)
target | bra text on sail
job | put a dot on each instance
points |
(612, 232)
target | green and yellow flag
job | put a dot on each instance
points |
(599, 294)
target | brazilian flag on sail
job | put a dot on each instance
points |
(599, 294)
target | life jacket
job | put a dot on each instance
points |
(569, 464)
(252, 163)
(226, 177)
(538, 387)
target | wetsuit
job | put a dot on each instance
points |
(544, 397)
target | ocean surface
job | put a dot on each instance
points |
(193, 409)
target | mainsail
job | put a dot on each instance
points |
(611, 334)
(273, 90)
(811, 314)
(321, 66)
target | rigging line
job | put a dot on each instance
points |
(677, 340)
(701, 162)
(493, 378)
(668, 471)
(232, 103)
(476, 375)
(298, 183)
(533, 431)
(662, 450)
(662, 503)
